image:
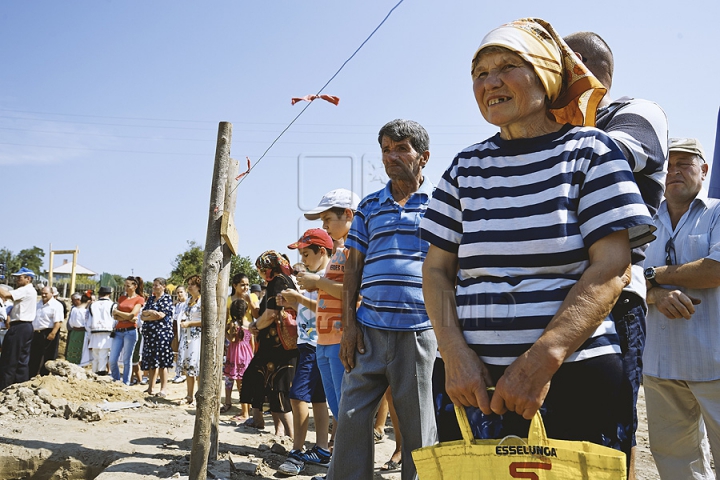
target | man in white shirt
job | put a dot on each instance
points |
(15, 356)
(47, 323)
(681, 358)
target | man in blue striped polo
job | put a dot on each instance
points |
(388, 340)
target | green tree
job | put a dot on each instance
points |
(27, 257)
(187, 263)
(190, 263)
(31, 258)
(244, 265)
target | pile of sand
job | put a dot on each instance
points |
(69, 391)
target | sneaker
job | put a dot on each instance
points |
(179, 379)
(293, 465)
(317, 456)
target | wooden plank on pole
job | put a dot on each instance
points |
(227, 230)
(208, 395)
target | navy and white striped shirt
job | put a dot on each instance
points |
(389, 236)
(521, 215)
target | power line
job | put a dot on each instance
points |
(114, 124)
(319, 92)
(104, 150)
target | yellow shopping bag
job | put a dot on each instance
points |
(535, 458)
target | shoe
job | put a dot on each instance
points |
(319, 477)
(391, 466)
(144, 381)
(179, 379)
(378, 436)
(317, 456)
(293, 465)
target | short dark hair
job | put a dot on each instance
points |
(316, 249)
(399, 129)
(338, 211)
(596, 53)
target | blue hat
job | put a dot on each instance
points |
(25, 271)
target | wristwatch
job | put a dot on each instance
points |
(650, 276)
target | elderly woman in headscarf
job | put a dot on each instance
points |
(272, 369)
(76, 339)
(530, 234)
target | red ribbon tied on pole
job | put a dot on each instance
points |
(309, 98)
(244, 173)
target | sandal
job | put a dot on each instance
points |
(161, 394)
(251, 424)
(225, 408)
(391, 466)
(239, 418)
(378, 436)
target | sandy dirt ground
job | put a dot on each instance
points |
(154, 440)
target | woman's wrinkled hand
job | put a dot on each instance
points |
(467, 379)
(523, 387)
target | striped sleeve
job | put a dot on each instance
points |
(442, 224)
(609, 200)
(358, 235)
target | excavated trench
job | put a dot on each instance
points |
(31, 464)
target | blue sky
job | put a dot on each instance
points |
(109, 109)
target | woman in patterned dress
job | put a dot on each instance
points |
(157, 336)
(190, 345)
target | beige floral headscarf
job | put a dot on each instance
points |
(573, 91)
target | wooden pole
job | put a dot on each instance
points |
(221, 291)
(209, 388)
(74, 265)
(50, 267)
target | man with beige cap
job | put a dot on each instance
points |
(681, 358)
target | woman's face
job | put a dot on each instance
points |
(242, 287)
(130, 287)
(158, 289)
(181, 294)
(507, 90)
(193, 290)
(267, 274)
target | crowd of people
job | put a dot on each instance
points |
(520, 283)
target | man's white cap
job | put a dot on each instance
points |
(340, 198)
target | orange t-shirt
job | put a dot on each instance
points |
(329, 308)
(126, 305)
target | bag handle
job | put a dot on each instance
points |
(464, 425)
(536, 435)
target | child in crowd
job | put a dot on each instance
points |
(315, 248)
(239, 354)
(336, 210)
